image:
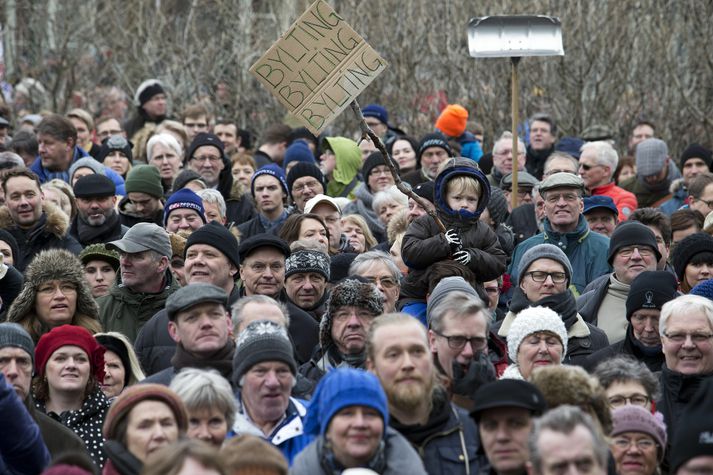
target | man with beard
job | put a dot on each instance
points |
(351, 308)
(443, 434)
(97, 221)
(306, 277)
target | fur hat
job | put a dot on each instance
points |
(53, 264)
(533, 320)
(349, 292)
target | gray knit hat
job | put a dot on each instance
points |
(545, 251)
(533, 320)
(86, 162)
(262, 340)
(307, 260)
(12, 334)
(444, 288)
(349, 292)
(651, 154)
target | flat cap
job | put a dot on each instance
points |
(561, 180)
(193, 294)
(524, 180)
(94, 185)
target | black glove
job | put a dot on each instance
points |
(480, 371)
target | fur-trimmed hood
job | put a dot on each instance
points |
(53, 264)
(57, 222)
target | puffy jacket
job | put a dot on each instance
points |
(399, 458)
(628, 346)
(586, 251)
(679, 198)
(51, 232)
(22, 450)
(625, 201)
(126, 312)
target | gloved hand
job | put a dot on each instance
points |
(453, 238)
(462, 257)
(480, 371)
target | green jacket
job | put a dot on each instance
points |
(126, 312)
(348, 157)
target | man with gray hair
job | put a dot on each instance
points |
(654, 173)
(503, 159)
(380, 269)
(214, 205)
(565, 440)
(258, 307)
(597, 165)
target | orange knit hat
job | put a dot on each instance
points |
(452, 120)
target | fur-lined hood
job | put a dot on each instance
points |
(53, 264)
(57, 222)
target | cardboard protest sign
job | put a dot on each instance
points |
(318, 66)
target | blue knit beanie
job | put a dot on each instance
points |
(298, 151)
(271, 169)
(183, 198)
(340, 388)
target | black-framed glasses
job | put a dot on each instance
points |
(541, 276)
(644, 251)
(457, 342)
(634, 399)
(586, 167)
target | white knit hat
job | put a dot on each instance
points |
(533, 320)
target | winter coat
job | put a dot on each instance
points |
(470, 147)
(415, 177)
(50, 232)
(363, 207)
(99, 234)
(129, 216)
(22, 450)
(255, 226)
(424, 244)
(652, 197)
(58, 438)
(399, 458)
(523, 222)
(126, 311)
(589, 302)
(535, 161)
(137, 122)
(345, 179)
(119, 460)
(653, 360)
(625, 201)
(10, 287)
(87, 422)
(288, 436)
(46, 175)
(679, 198)
(586, 252)
(239, 207)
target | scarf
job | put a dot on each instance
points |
(648, 351)
(437, 420)
(338, 360)
(270, 226)
(221, 360)
(563, 304)
(89, 234)
(332, 466)
(123, 461)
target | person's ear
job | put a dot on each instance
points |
(173, 331)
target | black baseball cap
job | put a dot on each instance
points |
(508, 393)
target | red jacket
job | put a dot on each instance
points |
(625, 201)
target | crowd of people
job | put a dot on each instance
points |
(178, 297)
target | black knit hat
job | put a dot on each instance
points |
(262, 340)
(497, 206)
(650, 289)
(696, 151)
(694, 434)
(307, 260)
(302, 169)
(339, 266)
(184, 178)
(435, 139)
(262, 240)
(686, 250)
(203, 139)
(216, 235)
(113, 144)
(632, 233)
(425, 190)
(372, 161)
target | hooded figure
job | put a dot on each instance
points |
(343, 179)
(424, 244)
(59, 265)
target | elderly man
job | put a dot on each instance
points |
(199, 323)
(686, 328)
(601, 214)
(97, 221)
(211, 257)
(566, 227)
(596, 167)
(305, 181)
(632, 250)
(258, 307)
(566, 440)
(503, 159)
(379, 268)
(306, 276)
(184, 211)
(504, 411)
(543, 135)
(560, 162)
(35, 225)
(397, 352)
(269, 190)
(352, 306)
(654, 173)
(264, 372)
(17, 354)
(146, 281)
(143, 202)
(262, 272)
(206, 156)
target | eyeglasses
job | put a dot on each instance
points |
(457, 342)
(708, 203)
(50, 289)
(645, 444)
(628, 251)
(380, 171)
(568, 197)
(207, 158)
(696, 338)
(386, 282)
(586, 167)
(541, 276)
(311, 185)
(634, 399)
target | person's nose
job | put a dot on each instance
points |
(159, 433)
(202, 432)
(11, 370)
(705, 269)
(308, 285)
(353, 320)
(468, 350)
(99, 277)
(271, 380)
(549, 282)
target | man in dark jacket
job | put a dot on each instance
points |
(543, 135)
(150, 100)
(269, 190)
(97, 221)
(655, 171)
(35, 225)
(306, 277)
(442, 433)
(17, 352)
(143, 202)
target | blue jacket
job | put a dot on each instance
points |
(22, 450)
(678, 198)
(46, 175)
(470, 147)
(587, 252)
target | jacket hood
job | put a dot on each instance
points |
(456, 167)
(348, 157)
(57, 222)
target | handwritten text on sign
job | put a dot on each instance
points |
(318, 66)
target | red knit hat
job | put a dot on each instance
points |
(70, 335)
(452, 120)
(137, 393)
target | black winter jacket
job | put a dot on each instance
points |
(628, 347)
